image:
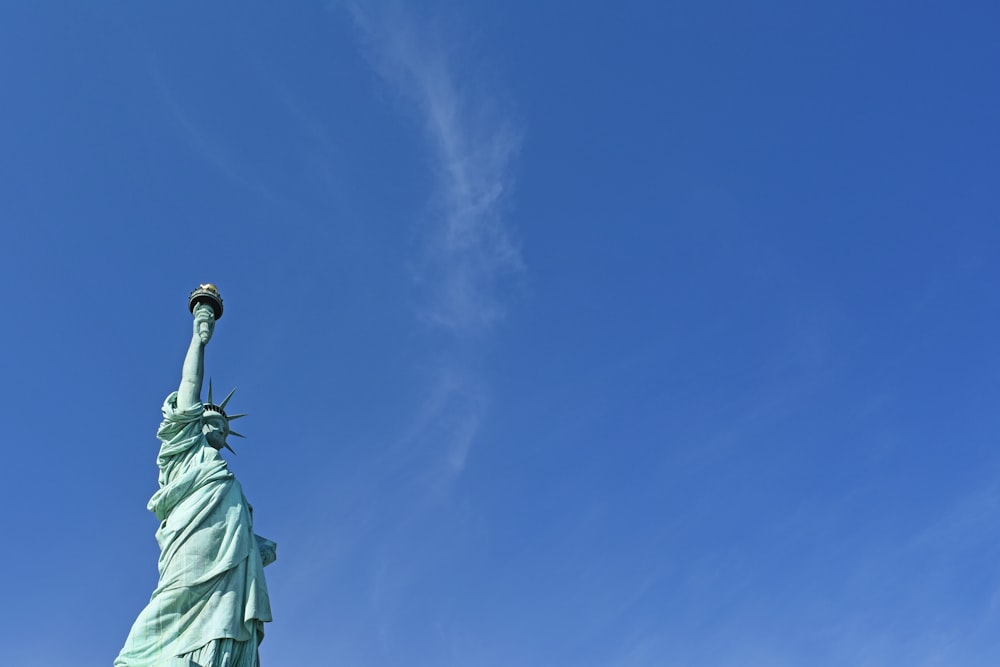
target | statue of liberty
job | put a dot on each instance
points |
(211, 602)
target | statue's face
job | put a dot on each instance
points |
(215, 429)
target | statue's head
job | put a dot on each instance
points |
(215, 421)
(216, 428)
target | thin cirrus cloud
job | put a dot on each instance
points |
(469, 259)
(469, 250)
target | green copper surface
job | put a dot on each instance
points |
(210, 603)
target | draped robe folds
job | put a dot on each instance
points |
(211, 598)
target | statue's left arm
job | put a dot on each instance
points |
(268, 549)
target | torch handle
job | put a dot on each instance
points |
(204, 327)
(206, 295)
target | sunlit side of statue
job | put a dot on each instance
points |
(211, 602)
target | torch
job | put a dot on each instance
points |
(207, 294)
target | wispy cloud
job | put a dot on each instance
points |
(451, 415)
(469, 258)
(468, 263)
(469, 248)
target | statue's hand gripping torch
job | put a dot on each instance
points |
(209, 296)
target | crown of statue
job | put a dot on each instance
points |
(221, 409)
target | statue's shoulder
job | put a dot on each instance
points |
(172, 413)
(170, 402)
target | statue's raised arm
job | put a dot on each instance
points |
(193, 372)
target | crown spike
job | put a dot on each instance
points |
(229, 448)
(242, 414)
(238, 435)
(210, 390)
(226, 400)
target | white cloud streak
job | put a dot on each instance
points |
(467, 262)
(469, 256)
(469, 249)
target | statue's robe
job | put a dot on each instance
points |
(211, 602)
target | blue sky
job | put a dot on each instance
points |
(597, 335)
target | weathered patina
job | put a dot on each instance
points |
(211, 601)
